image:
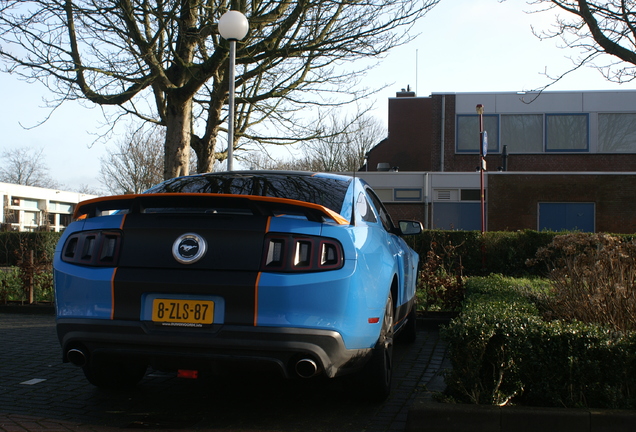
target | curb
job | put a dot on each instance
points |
(441, 417)
(28, 309)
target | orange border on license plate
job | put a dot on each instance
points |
(183, 311)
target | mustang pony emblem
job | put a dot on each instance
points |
(189, 248)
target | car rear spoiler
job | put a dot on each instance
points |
(259, 205)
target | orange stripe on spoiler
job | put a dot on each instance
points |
(327, 212)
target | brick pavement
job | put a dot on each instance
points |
(40, 393)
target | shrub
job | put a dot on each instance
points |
(10, 285)
(593, 278)
(483, 342)
(441, 285)
(502, 351)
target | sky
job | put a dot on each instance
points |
(462, 46)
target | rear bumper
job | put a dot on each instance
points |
(201, 348)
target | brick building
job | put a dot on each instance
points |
(555, 160)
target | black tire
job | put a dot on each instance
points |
(379, 370)
(114, 375)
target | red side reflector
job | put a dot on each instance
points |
(374, 320)
(190, 374)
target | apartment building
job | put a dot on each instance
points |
(27, 208)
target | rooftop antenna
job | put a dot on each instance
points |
(417, 53)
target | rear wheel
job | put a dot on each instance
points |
(378, 371)
(114, 375)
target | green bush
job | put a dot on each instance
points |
(26, 255)
(14, 289)
(10, 285)
(502, 351)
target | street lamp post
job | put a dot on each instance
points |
(483, 148)
(233, 26)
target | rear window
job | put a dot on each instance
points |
(325, 191)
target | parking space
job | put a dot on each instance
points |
(39, 392)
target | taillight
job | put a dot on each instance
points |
(295, 253)
(93, 248)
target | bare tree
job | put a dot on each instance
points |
(342, 147)
(345, 143)
(24, 166)
(135, 164)
(595, 29)
(164, 61)
(367, 133)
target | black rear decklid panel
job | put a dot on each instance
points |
(235, 242)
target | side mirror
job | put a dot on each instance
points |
(410, 227)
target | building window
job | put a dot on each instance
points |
(617, 133)
(60, 207)
(457, 195)
(567, 132)
(408, 194)
(30, 218)
(65, 220)
(522, 133)
(471, 195)
(468, 133)
(12, 216)
(28, 203)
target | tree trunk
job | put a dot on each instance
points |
(205, 147)
(178, 134)
(205, 154)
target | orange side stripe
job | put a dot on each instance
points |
(269, 221)
(112, 294)
(258, 278)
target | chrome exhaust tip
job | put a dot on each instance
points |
(306, 368)
(77, 357)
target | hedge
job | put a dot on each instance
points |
(501, 252)
(502, 351)
(14, 246)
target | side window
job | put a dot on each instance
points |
(364, 209)
(384, 215)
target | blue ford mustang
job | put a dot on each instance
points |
(302, 271)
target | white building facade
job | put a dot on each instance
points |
(27, 208)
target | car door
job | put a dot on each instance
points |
(398, 248)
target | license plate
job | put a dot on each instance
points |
(183, 311)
